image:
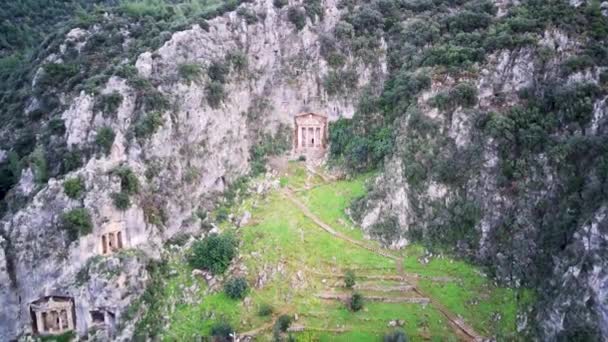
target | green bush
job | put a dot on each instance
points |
(105, 139)
(77, 222)
(218, 71)
(396, 336)
(40, 165)
(314, 9)
(191, 72)
(297, 16)
(238, 60)
(236, 288)
(248, 14)
(280, 3)
(213, 253)
(215, 93)
(128, 180)
(108, 104)
(147, 125)
(463, 94)
(356, 302)
(56, 74)
(74, 187)
(283, 323)
(340, 82)
(121, 200)
(349, 279)
(222, 332)
(265, 310)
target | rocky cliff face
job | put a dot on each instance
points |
(198, 147)
(455, 177)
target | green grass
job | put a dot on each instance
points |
(302, 260)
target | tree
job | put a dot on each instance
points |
(77, 222)
(349, 279)
(236, 288)
(105, 139)
(74, 187)
(222, 332)
(356, 302)
(213, 253)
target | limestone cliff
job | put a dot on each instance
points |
(447, 171)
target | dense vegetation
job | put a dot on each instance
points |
(28, 125)
(541, 138)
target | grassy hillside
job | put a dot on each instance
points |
(300, 262)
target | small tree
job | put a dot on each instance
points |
(356, 302)
(121, 200)
(236, 288)
(222, 332)
(77, 222)
(213, 253)
(105, 139)
(283, 323)
(396, 336)
(280, 3)
(265, 310)
(297, 16)
(74, 187)
(349, 279)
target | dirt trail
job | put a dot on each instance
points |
(289, 194)
(464, 331)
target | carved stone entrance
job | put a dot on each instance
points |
(111, 242)
(52, 315)
(310, 132)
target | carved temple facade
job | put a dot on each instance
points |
(111, 242)
(52, 315)
(310, 133)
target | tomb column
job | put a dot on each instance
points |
(70, 319)
(39, 322)
(60, 320)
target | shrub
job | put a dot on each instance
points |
(314, 9)
(108, 104)
(236, 288)
(396, 336)
(215, 93)
(349, 279)
(128, 180)
(77, 222)
(191, 72)
(297, 16)
(280, 3)
(463, 94)
(265, 310)
(213, 253)
(247, 14)
(238, 60)
(74, 187)
(148, 125)
(356, 302)
(105, 139)
(121, 200)
(40, 165)
(340, 82)
(222, 332)
(218, 71)
(283, 323)
(57, 73)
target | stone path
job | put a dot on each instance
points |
(464, 331)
